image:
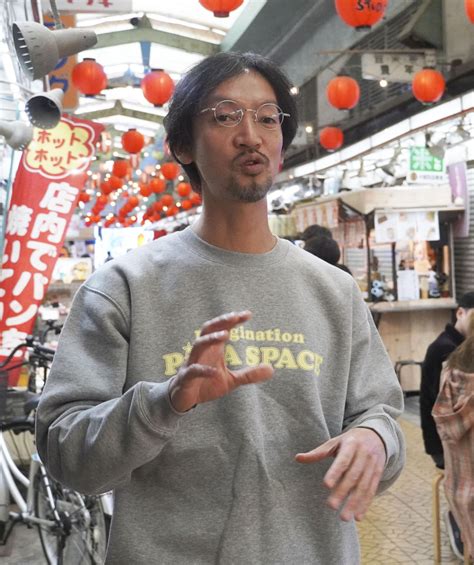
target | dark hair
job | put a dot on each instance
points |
(198, 83)
(467, 300)
(315, 230)
(325, 248)
(462, 358)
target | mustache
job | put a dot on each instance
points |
(250, 153)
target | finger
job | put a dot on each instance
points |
(252, 375)
(197, 371)
(225, 322)
(327, 449)
(372, 491)
(204, 342)
(342, 463)
(359, 499)
(348, 485)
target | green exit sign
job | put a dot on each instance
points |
(422, 160)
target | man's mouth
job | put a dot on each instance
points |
(251, 164)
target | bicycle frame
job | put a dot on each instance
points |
(8, 472)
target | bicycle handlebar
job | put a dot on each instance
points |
(40, 350)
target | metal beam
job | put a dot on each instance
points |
(119, 110)
(145, 32)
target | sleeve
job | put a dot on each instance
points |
(91, 433)
(374, 396)
(429, 389)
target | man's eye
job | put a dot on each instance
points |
(270, 120)
(229, 117)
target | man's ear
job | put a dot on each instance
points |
(185, 156)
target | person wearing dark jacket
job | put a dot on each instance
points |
(437, 353)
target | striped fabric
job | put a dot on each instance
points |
(453, 413)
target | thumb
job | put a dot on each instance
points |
(327, 449)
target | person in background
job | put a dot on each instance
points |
(436, 354)
(225, 444)
(315, 230)
(326, 249)
(453, 413)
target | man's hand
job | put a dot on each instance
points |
(354, 476)
(204, 376)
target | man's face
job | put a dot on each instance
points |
(463, 316)
(237, 163)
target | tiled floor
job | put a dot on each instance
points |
(396, 531)
(398, 527)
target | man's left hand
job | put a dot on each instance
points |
(355, 474)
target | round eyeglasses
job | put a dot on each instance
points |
(229, 114)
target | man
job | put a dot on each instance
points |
(436, 355)
(218, 439)
(327, 249)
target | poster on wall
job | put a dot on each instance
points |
(45, 192)
(406, 226)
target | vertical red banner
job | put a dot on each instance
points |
(51, 173)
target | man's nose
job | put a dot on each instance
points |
(248, 131)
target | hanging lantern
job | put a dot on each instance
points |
(132, 202)
(120, 168)
(158, 206)
(102, 200)
(184, 189)
(469, 5)
(195, 198)
(343, 92)
(172, 211)
(89, 77)
(157, 87)
(361, 15)
(115, 182)
(186, 204)
(331, 138)
(428, 86)
(158, 185)
(133, 141)
(170, 170)
(167, 200)
(145, 189)
(84, 197)
(221, 8)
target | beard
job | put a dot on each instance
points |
(253, 191)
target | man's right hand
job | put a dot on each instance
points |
(204, 376)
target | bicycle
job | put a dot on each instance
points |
(72, 527)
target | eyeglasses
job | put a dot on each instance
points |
(229, 114)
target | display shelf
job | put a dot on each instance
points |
(412, 305)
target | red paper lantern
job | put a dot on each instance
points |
(331, 138)
(170, 170)
(109, 221)
(158, 185)
(121, 168)
(84, 197)
(133, 141)
(167, 200)
(221, 8)
(102, 200)
(184, 189)
(115, 182)
(186, 204)
(157, 87)
(133, 202)
(157, 206)
(361, 14)
(89, 77)
(195, 198)
(469, 5)
(145, 189)
(172, 211)
(428, 86)
(343, 92)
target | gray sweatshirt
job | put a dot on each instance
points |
(219, 484)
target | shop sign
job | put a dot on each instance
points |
(394, 67)
(103, 6)
(425, 168)
(324, 214)
(406, 226)
(51, 173)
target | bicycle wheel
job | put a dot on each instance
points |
(80, 536)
